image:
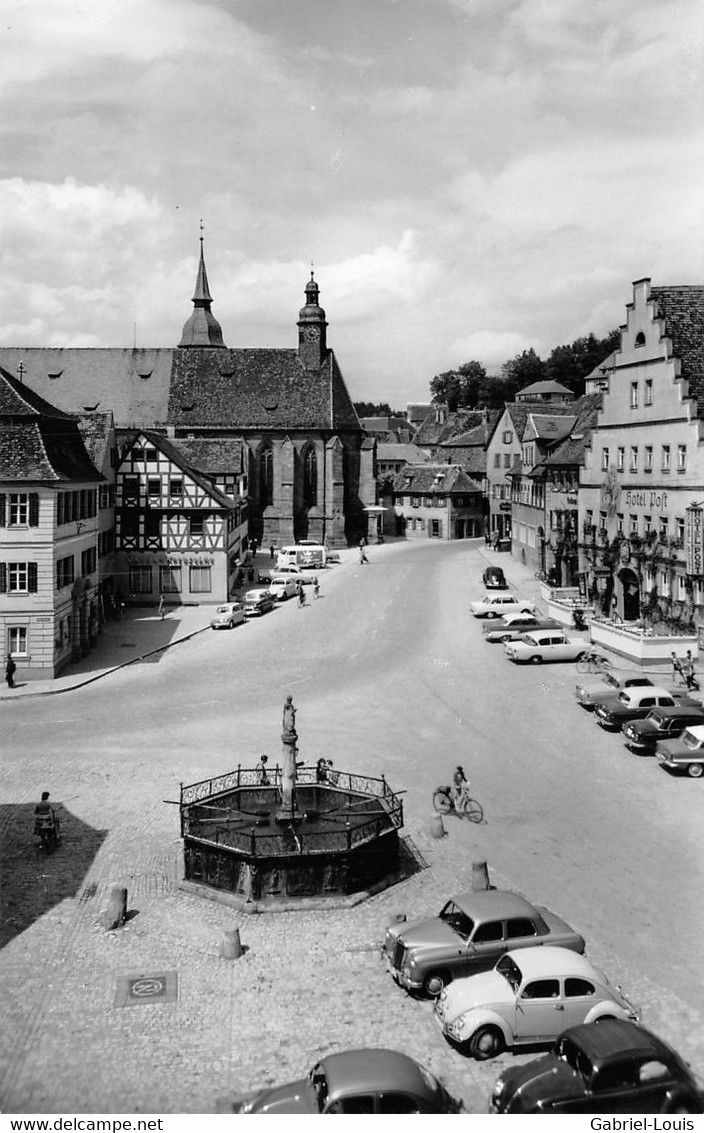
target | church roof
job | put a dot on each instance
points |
(38, 442)
(257, 389)
(202, 328)
(213, 455)
(95, 431)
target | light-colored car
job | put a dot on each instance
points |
(290, 570)
(544, 645)
(609, 682)
(496, 605)
(258, 602)
(468, 935)
(634, 703)
(512, 626)
(685, 753)
(282, 586)
(228, 615)
(528, 998)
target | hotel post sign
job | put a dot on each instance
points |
(694, 540)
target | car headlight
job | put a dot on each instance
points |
(412, 963)
(499, 1090)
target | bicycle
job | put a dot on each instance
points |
(466, 807)
(592, 662)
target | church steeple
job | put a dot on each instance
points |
(202, 328)
(312, 346)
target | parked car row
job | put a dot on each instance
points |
(256, 602)
(507, 975)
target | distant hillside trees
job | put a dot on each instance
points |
(469, 386)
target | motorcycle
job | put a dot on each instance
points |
(47, 827)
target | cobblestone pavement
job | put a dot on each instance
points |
(308, 982)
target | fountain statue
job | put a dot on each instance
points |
(289, 738)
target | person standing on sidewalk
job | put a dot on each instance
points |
(688, 671)
(316, 587)
(162, 610)
(301, 597)
(10, 670)
(362, 551)
(677, 671)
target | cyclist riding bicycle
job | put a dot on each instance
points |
(460, 786)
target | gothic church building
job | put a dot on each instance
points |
(282, 421)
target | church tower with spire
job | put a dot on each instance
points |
(312, 345)
(202, 328)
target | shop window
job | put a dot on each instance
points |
(199, 580)
(140, 580)
(169, 580)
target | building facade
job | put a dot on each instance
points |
(641, 499)
(177, 535)
(437, 501)
(49, 535)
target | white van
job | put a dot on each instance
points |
(307, 553)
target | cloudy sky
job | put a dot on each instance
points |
(470, 177)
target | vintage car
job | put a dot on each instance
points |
(496, 605)
(635, 704)
(608, 683)
(291, 570)
(228, 615)
(358, 1081)
(512, 626)
(641, 736)
(685, 753)
(544, 645)
(282, 586)
(613, 1067)
(494, 578)
(258, 602)
(529, 997)
(469, 934)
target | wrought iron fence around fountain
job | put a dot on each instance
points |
(261, 841)
(252, 777)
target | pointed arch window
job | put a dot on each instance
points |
(310, 477)
(266, 475)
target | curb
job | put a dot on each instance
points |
(107, 672)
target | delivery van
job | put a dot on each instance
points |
(307, 553)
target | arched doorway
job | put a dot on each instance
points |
(630, 594)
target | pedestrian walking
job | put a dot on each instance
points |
(261, 770)
(272, 552)
(688, 671)
(10, 670)
(677, 672)
(162, 609)
(301, 597)
(362, 550)
(316, 587)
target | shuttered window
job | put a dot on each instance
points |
(33, 509)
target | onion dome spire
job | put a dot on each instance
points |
(202, 328)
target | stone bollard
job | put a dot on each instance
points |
(115, 914)
(480, 876)
(437, 827)
(231, 947)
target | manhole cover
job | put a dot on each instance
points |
(147, 987)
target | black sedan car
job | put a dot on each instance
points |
(641, 736)
(634, 704)
(494, 578)
(613, 1066)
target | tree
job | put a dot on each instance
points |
(523, 370)
(571, 364)
(459, 388)
(376, 409)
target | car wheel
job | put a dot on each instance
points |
(434, 983)
(491, 614)
(680, 1101)
(506, 637)
(487, 1042)
(536, 659)
(695, 770)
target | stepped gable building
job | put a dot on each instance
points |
(283, 414)
(641, 497)
(49, 602)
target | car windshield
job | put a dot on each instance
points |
(508, 968)
(689, 739)
(625, 697)
(223, 610)
(531, 640)
(452, 915)
(656, 717)
(570, 1053)
(319, 1085)
(610, 679)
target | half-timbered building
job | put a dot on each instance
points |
(177, 534)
